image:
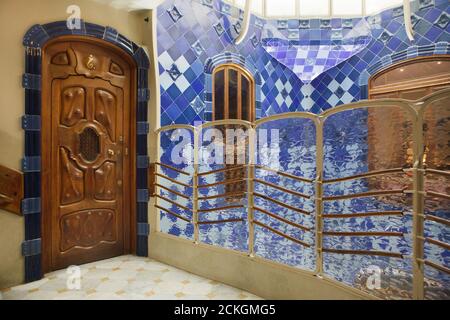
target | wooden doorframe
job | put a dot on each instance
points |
(129, 229)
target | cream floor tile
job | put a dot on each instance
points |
(126, 278)
(112, 286)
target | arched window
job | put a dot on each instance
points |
(410, 79)
(233, 98)
(233, 93)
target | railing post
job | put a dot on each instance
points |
(250, 191)
(195, 187)
(157, 170)
(418, 207)
(319, 196)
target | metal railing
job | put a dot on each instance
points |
(413, 110)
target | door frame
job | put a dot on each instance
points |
(34, 248)
(129, 196)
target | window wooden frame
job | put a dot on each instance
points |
(241, 72)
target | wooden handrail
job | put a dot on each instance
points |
(223, 195)
(284, 174)
(173, 180)
(362, 214)
(281, 234)
(438, 219)
(282, 204)
(295, 193)
(231, 168)
(172, 191)
(172, 168)
(289, 222)
(438, 195)
(363, 234)
(438, 243)
(11, 190)
(220, 221)
(365, 194)
(364, 252)
(202, 186)
(439, 172)
(173, 213)
(366, 175)
(437, 266)
(173, 202)
(220, 208)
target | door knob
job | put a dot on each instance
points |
(111, 152)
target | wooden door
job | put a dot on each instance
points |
(87, 103)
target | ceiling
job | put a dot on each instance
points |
(316, 8)
(273, 9)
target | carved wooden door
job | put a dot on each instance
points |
(88, 89)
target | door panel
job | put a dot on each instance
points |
(88, 208)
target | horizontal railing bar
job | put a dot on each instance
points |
(221, 208)
(364, 194)
(172, 191)
(221, 221)
(172, 168)
(437, 219)
(365, 175)
(224, 195)
(363, 214)
(437, 266)
(242, 166)
(284, 174)
(173, 202)
(281, 234)
(295, 193)
(282, 204)
(221, 183)
(363, 234)
(439, 172)
(365, 252)
(173, 213)
(282, 219)
(173, 180)
(438, 243)
(438, 195)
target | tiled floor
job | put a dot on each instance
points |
(127, 278)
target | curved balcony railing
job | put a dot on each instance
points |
(395, 183)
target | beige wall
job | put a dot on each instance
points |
(16, 17)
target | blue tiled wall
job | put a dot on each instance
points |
(190, 33)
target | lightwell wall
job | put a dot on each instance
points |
(16, 17)
(192, 32)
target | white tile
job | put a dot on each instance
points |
(165, 60)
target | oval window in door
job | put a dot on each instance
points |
(89, 144)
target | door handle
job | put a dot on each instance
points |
(111, 152)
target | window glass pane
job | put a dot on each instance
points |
(375, 6)
(233, 94)
(280, 8)
(219, 95)
(347, 7)
(245, 99)
(257, 6)
(314, 8)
